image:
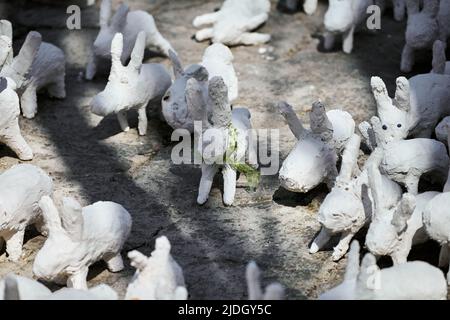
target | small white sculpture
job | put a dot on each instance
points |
(233, 23)
(395, 229)
(349, 206)
(129, 24)
(21, 187)
(273, 291)
(132, 86)
(15, 287)
(414, 280)
(79, 237)
(9, 121)
(37, 66)
(158, 277)
(191, 86)
(313, 159)
(424, 28)
(224, 136)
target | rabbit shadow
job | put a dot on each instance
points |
(293, 199)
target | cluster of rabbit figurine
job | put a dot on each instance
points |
(79, 236)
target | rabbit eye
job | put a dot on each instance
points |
(384, 127)
(399, 125)
(166, 98)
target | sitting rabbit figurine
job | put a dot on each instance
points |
(273, 291)
(9, 122)
(178, 103)
(79, 237)
(349, 205)
(158, 277)
(21, 187)
(233, 23)
(394, 230)
(129, 24)
(313, 159)
(414, 280)
(132, 86)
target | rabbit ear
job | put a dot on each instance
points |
(431, 7)
(404, 212)
(72, 218)
(176, 64)
(11, 288)
(51, 215)
(320, 124)
(196, 99)
(402, 94)
(376, 187)
(6, 28)
(350, 158)
(6, 32)
(294, 123)
(218, 97)
(23, 61)
(105, 12)
(138, 260)
(119, 19)
(369, 273)
(181, 293)
(138, 52)
(116, 53)
(162, 244)
(439, 57)
(412, 6)
(198, 72)
(377, 130)
(352, 269)
(381, 95)
(252, 275)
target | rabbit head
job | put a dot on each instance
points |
(218, 51)
(339, 16)
(124, 89)
(109, 27)
(64, 248)
(393, 113)
(188, 90)
(423, 27)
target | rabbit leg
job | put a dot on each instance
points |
(256, 21)
(13, 138)
(114, 262)
(328, 41)
(78, 279)
(444, 256)
(412, 183)
(91, 68)
(28, 102)
(158, 41)
(342, 247)
(58, 88)
(204, 34)
(142, 120)
(347, 45)
(229, 184)
(310, 6)
(322, 238)
(123, 120)
(254, 38)
(407, 62)
(204, 19)
(14, 242)
(208, 173)
(400, 256)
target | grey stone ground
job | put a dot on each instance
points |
(90, 158)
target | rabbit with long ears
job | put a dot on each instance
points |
(349, 206)
(190, 86)
(79, 237)
(233, 23)
(313, 159)
(128, 23)
(158, 277)
(273, 291)
(132, 86)
(395, 229)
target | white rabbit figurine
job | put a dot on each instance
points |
(79, 237)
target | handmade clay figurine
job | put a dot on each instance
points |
(37, 66)
(233, 23)
(158, 277)
(313, 159)
(132, 86)
(21, 187)
(349, 206)
(273, 291)
(9, 121)
(414, 280)
(128, 23)
(221, 141)
(79, 237)
(394, 230)
(178, 103)
(424, 27)
(15, 287)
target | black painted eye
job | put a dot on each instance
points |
(399, 125)
(384, 127)
(166, 98)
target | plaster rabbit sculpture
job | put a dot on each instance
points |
(39, 65)
(21, 187)
(423, 28)
(128, 23)
(132, 86)
(394, 230)
(221, 142)
(273, 291)
(158, 277)
(15, 287)
(291, 6)
(9, 121)
(313, 159)
(233, 23)
(414, 280)
(79, 237)
(178, 103)
(342, 18)
(349, 205)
